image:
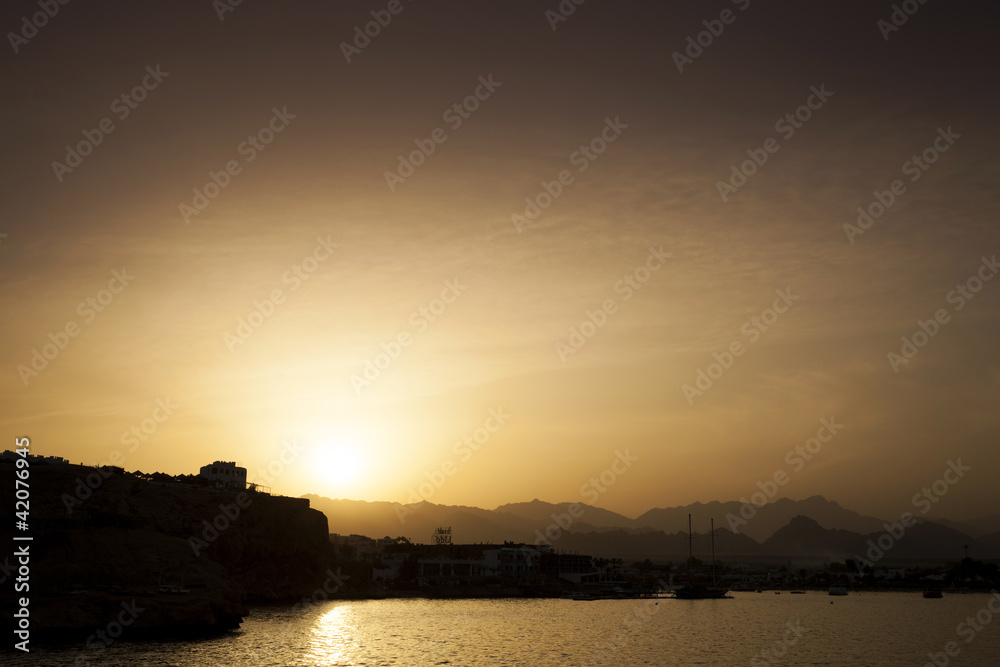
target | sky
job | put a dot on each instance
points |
(491, 252)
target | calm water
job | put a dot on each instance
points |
(861, 629)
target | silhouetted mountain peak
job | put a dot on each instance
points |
(801, 521)
(811, 527)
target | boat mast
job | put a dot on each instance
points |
(690, 554)
(713, 551)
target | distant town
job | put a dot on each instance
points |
(444, 568)
(389, 566)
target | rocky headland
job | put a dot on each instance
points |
(149, 558)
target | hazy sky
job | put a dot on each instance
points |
(477, 306)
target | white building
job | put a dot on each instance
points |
(225, 474)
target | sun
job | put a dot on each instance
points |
(340, 456)
(339, 461)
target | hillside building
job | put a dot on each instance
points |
(226, 475)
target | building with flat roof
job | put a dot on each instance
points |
(225, 474)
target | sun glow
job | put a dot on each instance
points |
(339, 460)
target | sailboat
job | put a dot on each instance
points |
(694, 591)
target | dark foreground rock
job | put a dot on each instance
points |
(140, 559)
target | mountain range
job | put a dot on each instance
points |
(814, 528)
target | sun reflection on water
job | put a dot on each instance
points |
(334, 637)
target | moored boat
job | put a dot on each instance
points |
(694, 591)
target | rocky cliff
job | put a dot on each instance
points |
(113, 548)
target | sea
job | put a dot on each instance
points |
(753, 629)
